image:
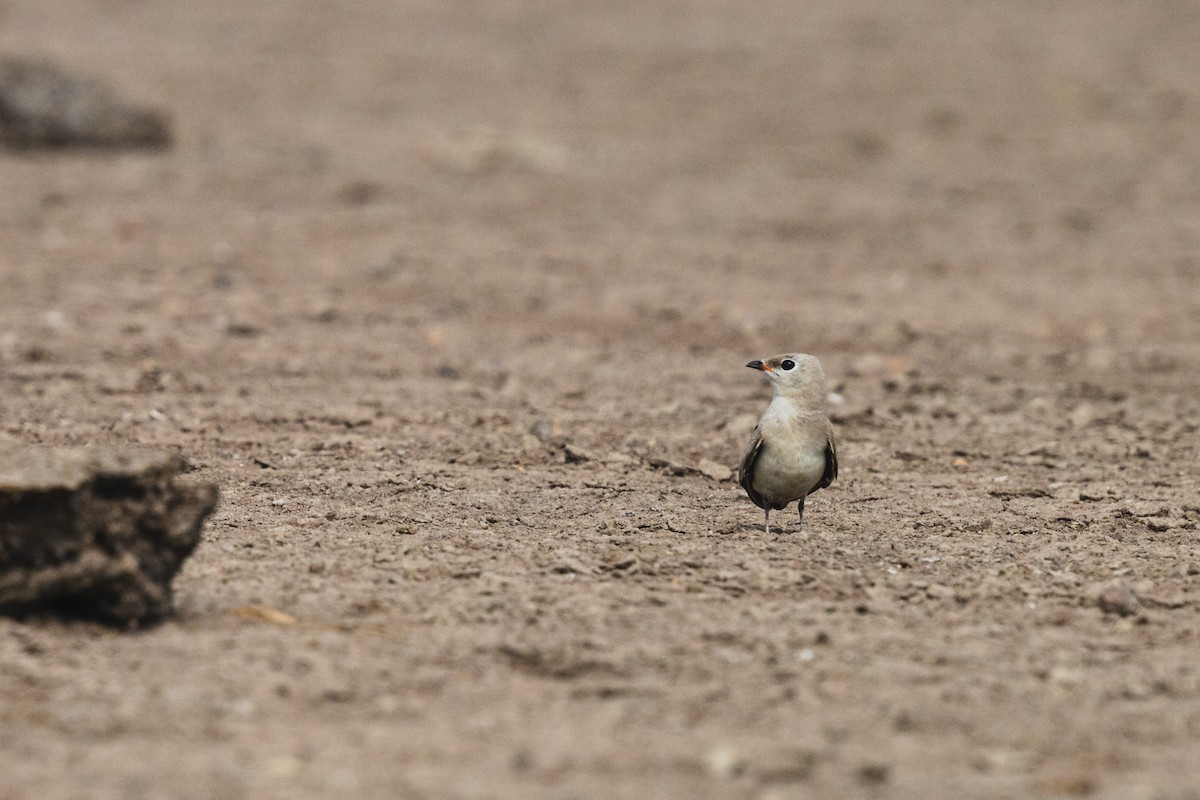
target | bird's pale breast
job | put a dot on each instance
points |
(793, 460)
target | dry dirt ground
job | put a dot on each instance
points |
(452, 300)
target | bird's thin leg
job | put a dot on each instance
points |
(767, 520)
(800, 508)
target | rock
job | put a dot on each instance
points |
(874, 772)
(577, 455)
(41, 106)
(725, 763)
(1082, 415)
(673, 468)
(714, 470)
(1116, 597)
(1144, 508)
(570, 566)
(998, 760)
(541, 429)
(95, 533)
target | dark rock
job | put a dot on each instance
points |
(95, 533)
(41, 106)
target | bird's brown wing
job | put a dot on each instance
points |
(746, 470)
(830, 465)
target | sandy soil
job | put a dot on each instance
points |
(403, 256)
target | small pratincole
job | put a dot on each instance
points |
(791, 453)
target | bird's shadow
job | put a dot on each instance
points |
(753, 527)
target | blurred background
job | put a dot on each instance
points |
(769, 172)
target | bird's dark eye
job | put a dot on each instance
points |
(787, 364)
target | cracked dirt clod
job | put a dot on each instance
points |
(95, 533)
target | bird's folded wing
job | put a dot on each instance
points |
(746, 470)
(831, 464)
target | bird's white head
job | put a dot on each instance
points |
(794, 374)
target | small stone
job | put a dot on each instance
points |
(874, 773)
(673, 468)
(1142, 509)
(360, 192)
(521, 761)
(324, 313)
(570, 566)
(1118, 598)
(1082, 415)
(724, 762)
(577, 455)
(1002, 761)
(714, 470)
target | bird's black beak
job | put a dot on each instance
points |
(756, 364)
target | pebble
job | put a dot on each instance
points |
(725, 762)
(1118, 598)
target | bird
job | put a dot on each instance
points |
(791, 453)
